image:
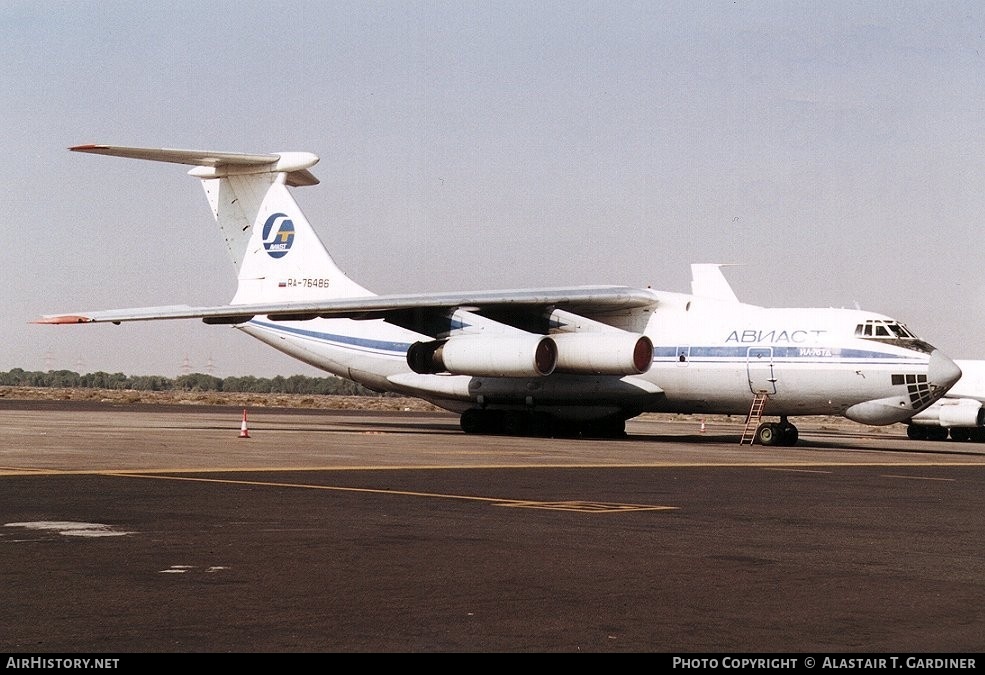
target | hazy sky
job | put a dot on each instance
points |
(835, 151)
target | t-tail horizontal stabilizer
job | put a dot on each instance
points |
(216, 164)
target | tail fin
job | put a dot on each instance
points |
(708, 281)
(277, 253)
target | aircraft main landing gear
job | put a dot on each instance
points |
(543, 425)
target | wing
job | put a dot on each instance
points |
(589, 301)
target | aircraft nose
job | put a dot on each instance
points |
(942, 371)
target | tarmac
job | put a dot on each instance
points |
(163, 529)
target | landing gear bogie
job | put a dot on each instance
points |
(920, 432)
(538, 424)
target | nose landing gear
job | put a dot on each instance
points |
(781, 433)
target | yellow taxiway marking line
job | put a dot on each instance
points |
(28, 472)
(581, 507)
(793, 470)
(789, 466)
(585, 507)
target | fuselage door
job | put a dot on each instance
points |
(760, 370)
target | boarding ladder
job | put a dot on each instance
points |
(754, 418)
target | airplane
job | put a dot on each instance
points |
(960, 414)
(560, 361)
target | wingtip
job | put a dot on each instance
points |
(67, 318)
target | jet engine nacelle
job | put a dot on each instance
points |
(525, 355)
(962, 412)
(594, 353)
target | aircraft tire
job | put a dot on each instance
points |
(915, 432)
(767, 434)
(472, 421)
(515, 423)
(477, 421)
(788, 435)
(541, 425)
(960, 434)
(612, 427)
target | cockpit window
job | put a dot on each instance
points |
(902, 331)
(883, 329)
(890, 331)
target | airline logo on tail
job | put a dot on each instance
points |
(278, 235)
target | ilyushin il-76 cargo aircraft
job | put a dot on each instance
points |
(574, 361)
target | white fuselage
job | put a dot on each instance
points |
(709, 356)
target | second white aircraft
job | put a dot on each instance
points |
(575, 361)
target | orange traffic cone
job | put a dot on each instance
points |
(243, 431)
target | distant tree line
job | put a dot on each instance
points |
(295, 384)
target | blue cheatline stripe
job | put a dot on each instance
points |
(784, 354)
(660, 354)
(362, 344)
